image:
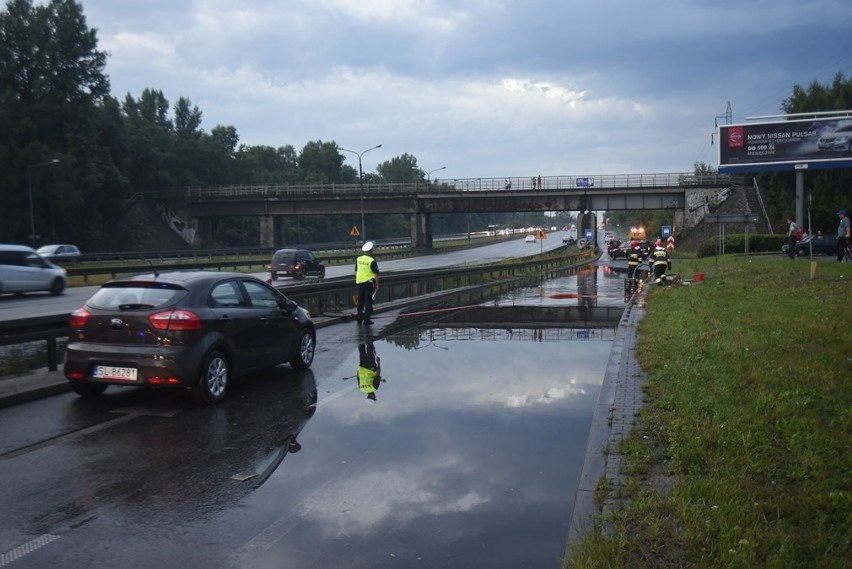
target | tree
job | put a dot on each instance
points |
(51, 84)
(401, 169)
(321, 162)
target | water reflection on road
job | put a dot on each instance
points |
(464, 449)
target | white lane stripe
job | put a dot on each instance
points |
(27, 548)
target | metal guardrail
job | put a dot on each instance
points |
(318, 296)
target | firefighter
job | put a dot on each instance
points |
(634, 257)
(660, 259)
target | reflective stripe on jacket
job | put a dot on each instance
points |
(661, 257)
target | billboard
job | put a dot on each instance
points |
(786, 145)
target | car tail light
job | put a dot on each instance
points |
(297, 266)
(79, 318)
(156, 380)
(175, 320)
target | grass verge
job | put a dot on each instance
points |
(741, 453)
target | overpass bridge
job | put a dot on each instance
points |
(196, 206)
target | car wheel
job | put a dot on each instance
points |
(273, 276)
(213, 380)
(86, 389)
(305, 356)
(57, 286)
(322, 273)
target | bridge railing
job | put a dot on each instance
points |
(532, 183)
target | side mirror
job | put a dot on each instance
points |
(289, 306)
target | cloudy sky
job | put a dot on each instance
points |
(487, 88)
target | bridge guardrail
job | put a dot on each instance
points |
(584, 182)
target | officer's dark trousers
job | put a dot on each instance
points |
(365, 300)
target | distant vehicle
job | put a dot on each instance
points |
(196, 330)
(609, 236)
(23, 270)
(822, 245)
(569, 239)
(838, 141)
(636, 232)
(58, 251)
(622, 251)
(296, 263)
(529, 239)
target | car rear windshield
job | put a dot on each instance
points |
(135, 296)
(284, 257)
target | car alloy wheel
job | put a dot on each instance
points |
(305, 356)
(213, 381)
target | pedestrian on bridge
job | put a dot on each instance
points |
(367, 279)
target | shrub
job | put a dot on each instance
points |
(735, 243)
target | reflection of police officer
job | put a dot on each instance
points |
(369, 370)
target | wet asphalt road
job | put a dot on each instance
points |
(469, 455)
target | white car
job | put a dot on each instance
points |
(58, 251)
(838, 141)
(529, 239)
(24, 270)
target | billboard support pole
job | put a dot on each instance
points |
(800, 198)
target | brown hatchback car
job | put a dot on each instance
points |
(195, 329)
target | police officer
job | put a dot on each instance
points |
(660, 258)
(367, 279)
(634, 258)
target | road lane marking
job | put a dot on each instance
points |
(27, 548)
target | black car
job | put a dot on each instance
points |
(621, 252)
(821, 244)
(296, 263)
(196, 330)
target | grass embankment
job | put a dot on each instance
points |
(748, 413)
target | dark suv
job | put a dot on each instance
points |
(296, 263)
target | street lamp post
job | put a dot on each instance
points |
(429, 175)
(361, 184)
(30, 190)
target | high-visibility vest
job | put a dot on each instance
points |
(367, 380)
(364, 269)
(661, 257)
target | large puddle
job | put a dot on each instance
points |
(465, 450)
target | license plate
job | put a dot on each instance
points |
(112, 372)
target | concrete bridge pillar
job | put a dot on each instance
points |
(421, 230)
(203, 227)
(272, 231)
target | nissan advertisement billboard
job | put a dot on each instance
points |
(786, 145)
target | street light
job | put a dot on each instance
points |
(361, 181)
(30, 188)
(429, 175)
